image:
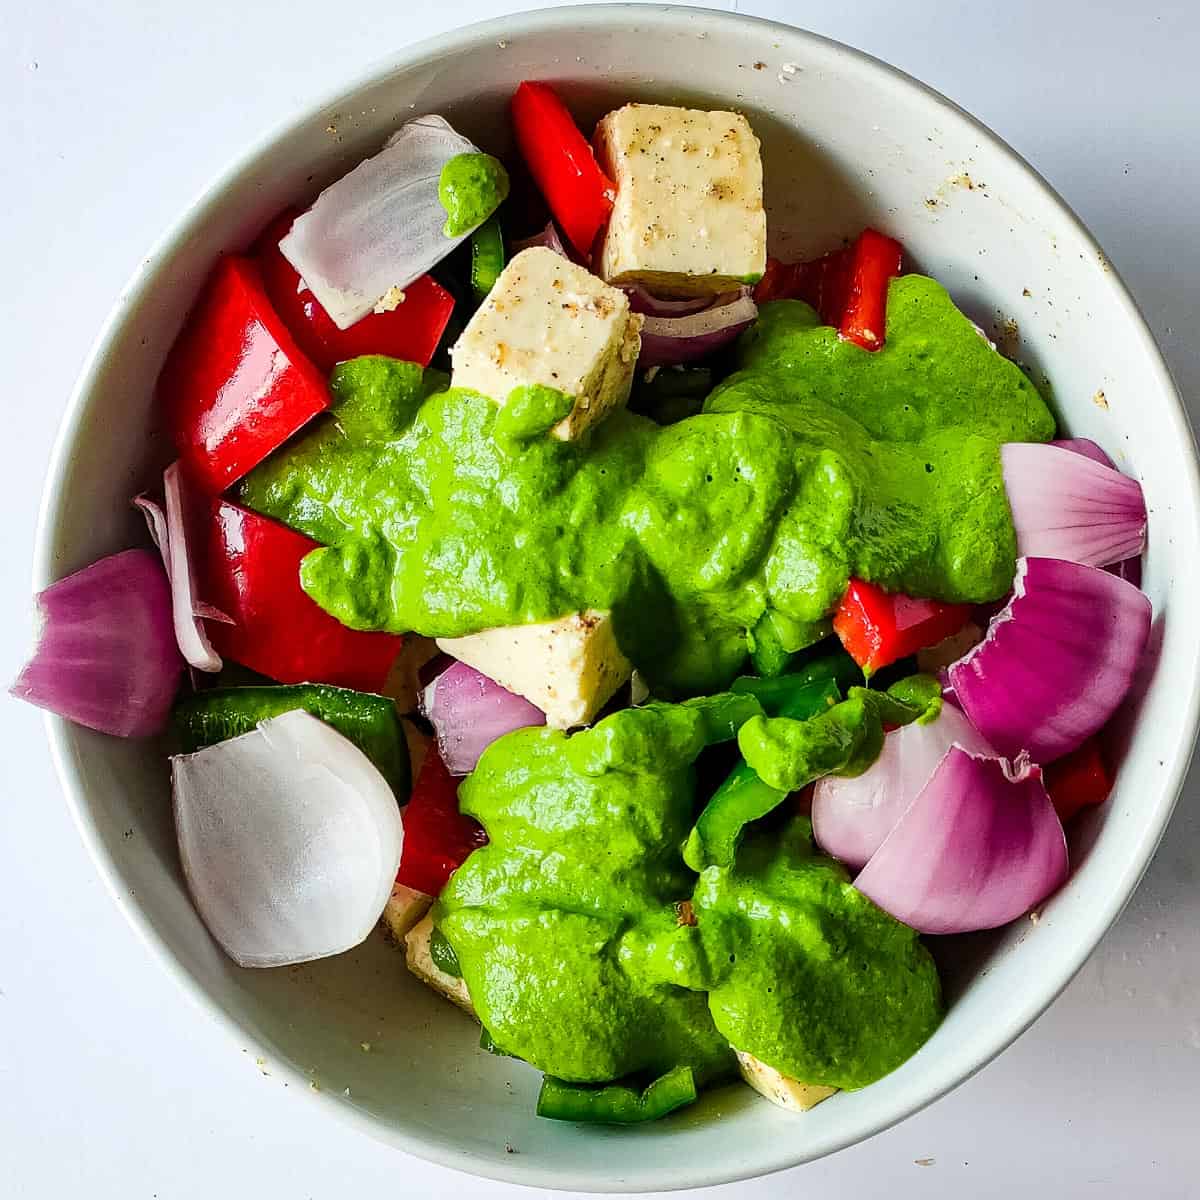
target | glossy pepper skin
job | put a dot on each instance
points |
(411, 331)
(847, 287)
(437, 837)
(615, 1103)
(236, 385)
(1078, 780)
(562, 164)
(248, 567)
(877, 627)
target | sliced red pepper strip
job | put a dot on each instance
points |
(820, 282)
(561, 162)
(411, 331)
(236, 385)
(874, 259)
(877, 627)
(1078, 780)
(248, 566)
(437, 837)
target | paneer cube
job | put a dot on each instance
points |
(405, 908)
(419, 960)
(568, 667)
(688, 218)
(779, 1088)
(547, 321)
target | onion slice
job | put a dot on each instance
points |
(290, 840)
(380, 226)
(1067, 505)
(548, 238)
(853, 816)
(106, 654)
(469, 711)
(1057, 660)
(1086, 447)
(978, 847)
(668, 341)
(642, 301)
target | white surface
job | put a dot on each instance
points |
(110, 1082)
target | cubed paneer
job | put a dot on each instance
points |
(405, 907)
(688, 218)
(547, 321)
(420, 962)
(568, 667)
(779, 1088)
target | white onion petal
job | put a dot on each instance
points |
(380, 226)
(290, 840)
(1066, 504)
(1057, 661)
(185, 607)
(668, 341)
(980, 845)
(852, 816)
(469, 711)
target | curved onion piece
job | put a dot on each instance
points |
(668, 341)
(380, 226)
(156, 522)
(852, 817)
(979, 846)
(106, 654)
(290, 840)
(186, 609)
(642, 301)
(469, 711)
(1057, 660)
(548, 238)
(1086, 447)
(1066, 505)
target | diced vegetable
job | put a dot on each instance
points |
(438, 838)
(616, 1104)
(667, 341)
(777, 694)
(487, 257)
(1057, 660)
(469, 711)
(410, 331)
(874, 260)
(443, 954)
(378, 229)
(249, 567)
(878, 627)
(105, 655)
(548, 238)
(561, 162)
(1067, 505)
(1078, 780)
(978, 847)
(289, 839)
(369, 721)
(235, 385)
(645, 302)
(744, 797)
(853, 816)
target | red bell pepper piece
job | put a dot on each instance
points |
(236, 385)
(877, 627)
(437, 837)
(847, 287)
(874, 259)
(561, 162)
(1078, 780)
(411, 331)
(248, 567)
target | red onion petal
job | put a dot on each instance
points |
(978, 847)
(852, 817)
(1086, 447)
(548, 238)
(469, 712)
(668, 341)
(290, 840)
(1066, 505)
(642, 301)
(106, 654)
(1057, 660)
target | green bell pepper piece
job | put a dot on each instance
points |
(614, 1103)
(487, 257)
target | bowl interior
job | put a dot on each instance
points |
(846, 142)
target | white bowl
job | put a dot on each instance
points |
(847, 141)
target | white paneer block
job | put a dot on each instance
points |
(547, 321)
(688, 218)
(405, 907)
(779, 1088)
(568, 667)
(419, 961)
